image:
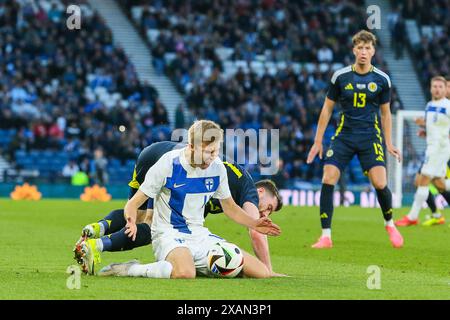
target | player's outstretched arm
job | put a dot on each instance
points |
(237, 214)
(386, 123)
(324, 119)
(131, 209)
(260, 243)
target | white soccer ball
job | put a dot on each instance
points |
(225, 260)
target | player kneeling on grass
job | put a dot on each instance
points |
(181, 183)
(437, 154)
(257, 200)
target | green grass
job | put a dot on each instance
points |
(37, 238)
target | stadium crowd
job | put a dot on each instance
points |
(70, 91)
(432, 54)
(317, 34)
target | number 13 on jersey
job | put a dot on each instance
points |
(359, 100)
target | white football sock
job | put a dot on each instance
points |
(389, 223)
(160, 269)
(102, 229)
(447, 185)
(99, 244)
(326, 233)
(436, 215)
(419, 198)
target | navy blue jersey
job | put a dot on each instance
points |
(360, 97)
(148, 157)
(242, 188)
(240, 182)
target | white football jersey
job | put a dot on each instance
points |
(437, 118)
(180, 192)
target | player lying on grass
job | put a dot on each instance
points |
(180, 189)
(437, 154)
(362, 91)
(258, 200)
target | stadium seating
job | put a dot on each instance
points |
(63, 92)
(269, 68)
(251, 55)
(432, 53)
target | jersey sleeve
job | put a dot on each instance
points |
(248, 193)
(155, 178)
(385, 95)
(333, 88)
(223, 191)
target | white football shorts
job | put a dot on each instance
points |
(435, 164)
(198, 244)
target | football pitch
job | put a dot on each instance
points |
(37, 240)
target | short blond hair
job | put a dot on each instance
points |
(364, 36)
(205, 131)
(439, 78)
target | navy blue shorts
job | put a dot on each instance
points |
(369, 148)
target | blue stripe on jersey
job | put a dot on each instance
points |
(213, 235)
(180, 185)
(436, 109)
(150, 203)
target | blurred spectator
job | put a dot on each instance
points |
(99, 168)
(399, 37)
(179, 117)
(70, 169)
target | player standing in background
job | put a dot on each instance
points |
(431, 201)
(362, 90)
(437, 155)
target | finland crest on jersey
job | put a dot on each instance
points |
(180, 192)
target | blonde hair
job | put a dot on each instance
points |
(364, 36)
(204, 131)
(439, 78)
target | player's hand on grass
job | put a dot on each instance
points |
(131, 229)
(395, 152)
(317, 148)
(266, 226)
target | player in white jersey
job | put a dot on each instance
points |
(437, 155)
(181, 183)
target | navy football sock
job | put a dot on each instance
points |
(326, 205)
(114, 221)
(385, 200)
(431, 203)
(446, 195)
(119, 241)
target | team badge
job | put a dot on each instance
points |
(372, 87)
(209, 184)
(330, 153)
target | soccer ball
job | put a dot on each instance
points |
(225, 260)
